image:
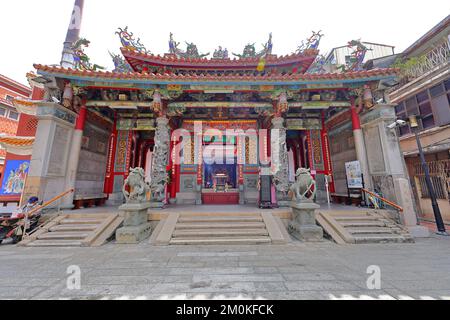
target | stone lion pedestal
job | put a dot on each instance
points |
(303, 225)
(136, 227)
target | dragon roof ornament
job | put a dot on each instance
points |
(81, 59)
(129, 42)
(356, 60)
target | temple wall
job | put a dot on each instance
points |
(92, 164)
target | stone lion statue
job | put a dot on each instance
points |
(304, 188)
(137, 185)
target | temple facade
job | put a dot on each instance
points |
(226, 128)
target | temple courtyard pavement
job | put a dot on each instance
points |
(296, 270)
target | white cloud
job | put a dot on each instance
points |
(34, 31)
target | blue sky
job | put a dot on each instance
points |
(33, 30)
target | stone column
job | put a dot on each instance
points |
(74, 155)
(279, 157)
(387, 164)
(360, 147)
(160, 162)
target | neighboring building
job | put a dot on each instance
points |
(424, 90)
(9, 115)
(17, 137)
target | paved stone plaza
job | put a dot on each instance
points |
(294, 271)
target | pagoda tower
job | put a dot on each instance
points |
(73, 34)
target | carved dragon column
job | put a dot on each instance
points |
(279, 154)
(279, 158)
(160, 154)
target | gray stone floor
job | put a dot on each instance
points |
(294, 271)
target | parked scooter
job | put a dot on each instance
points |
(13, 227)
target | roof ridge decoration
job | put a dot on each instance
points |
(81, 59)
(128, 41)
(190, 53)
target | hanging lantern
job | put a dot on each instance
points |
(157, 103)
(282, 103)
(367, 97)
(68, 96)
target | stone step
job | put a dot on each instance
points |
(355, 218)
(373, 230)
(188, 219)
(74, 227)
(224, 225)
(219, 233)
(82, 221)
(220, 214)
(377, 238)
(221, 241)
(349, 224)
(54, 243)
(63, 235)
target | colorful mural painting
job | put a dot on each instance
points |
(14, 177)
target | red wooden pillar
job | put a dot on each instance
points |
(326, 154)
(109, 178)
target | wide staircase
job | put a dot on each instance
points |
(74, 230)
(220, 228)
(362, 226)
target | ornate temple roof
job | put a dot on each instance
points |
(17, 145)
(269, 78)
(138, 61)
(16, 141)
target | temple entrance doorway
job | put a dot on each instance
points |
(220, 166)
